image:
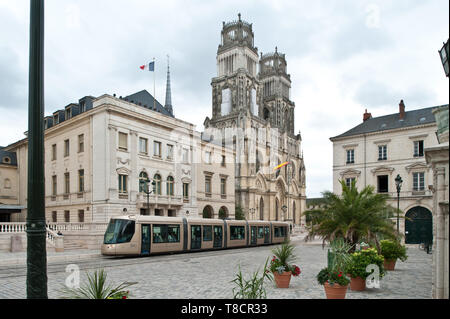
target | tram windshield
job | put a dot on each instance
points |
(119, 231)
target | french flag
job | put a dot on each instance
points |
(150, 66)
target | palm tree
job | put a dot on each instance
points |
(352, 216)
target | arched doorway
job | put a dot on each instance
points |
(261, 208)
(223, 212)
(418, 226)
(208, 212)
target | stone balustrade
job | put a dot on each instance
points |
(20, 227)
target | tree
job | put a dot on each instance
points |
(352, 216)
(239, 213)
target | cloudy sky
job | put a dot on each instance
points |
(343, 56)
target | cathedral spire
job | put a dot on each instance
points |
(168, 104)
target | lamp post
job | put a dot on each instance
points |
(36, 229)
(284, 208)
(443, 53)
(398, 184)
(146, 189)
(252, 212)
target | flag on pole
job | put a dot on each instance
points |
(150, 66)
(281, 165)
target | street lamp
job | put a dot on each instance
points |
(284, 208)
(443, 53)
(398, 184)
(252, 212)
(146, 189)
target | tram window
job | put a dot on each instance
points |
(237, 232)
(260, 232)
(166, 233)
(119, 231)
(280, 231)
(207, 233)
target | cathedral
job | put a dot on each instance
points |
(253, 114)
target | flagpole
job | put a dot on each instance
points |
(154, 86)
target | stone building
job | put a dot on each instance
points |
(438, 157)
(380, 148)
(253, 113)
(98, 151)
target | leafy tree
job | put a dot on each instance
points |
(353, 216)
(239, 213)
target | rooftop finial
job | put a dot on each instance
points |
(239, 15)
(168, 104)
(276, 49)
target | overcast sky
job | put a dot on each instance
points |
(343, 56)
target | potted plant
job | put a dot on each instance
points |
(333, 277)
(391, 251)
(358, 266)
(280, 265)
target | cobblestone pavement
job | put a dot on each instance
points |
(206, 275)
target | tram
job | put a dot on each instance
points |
(140, 235)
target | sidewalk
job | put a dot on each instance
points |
(20, 258)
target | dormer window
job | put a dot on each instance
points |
(56, 118)
(6, 160)
(83, 106)
(68, 113)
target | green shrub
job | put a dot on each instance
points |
(392, 250)
(361, 259)
(333, 277)
(252, 288)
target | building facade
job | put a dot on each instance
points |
(99, 152)
(379, 149)
(252, 112)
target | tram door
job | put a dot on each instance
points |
(266, 235)
(218, 237)
(145, 239)
(196, 236)
(253, 234)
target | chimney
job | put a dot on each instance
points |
(401, 110)
(366, 116)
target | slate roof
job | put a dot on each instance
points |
(392, 121)
(146, 100)
(12, 157)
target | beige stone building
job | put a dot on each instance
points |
(98, 151)
(437, 156)
(252, 112)
(380, 148)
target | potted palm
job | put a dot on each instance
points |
(391, 251)
(357, 269)
(281, 266)
(333, 277)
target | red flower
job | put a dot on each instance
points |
(124, 297)
(339, 275)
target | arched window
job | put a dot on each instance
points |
(157, 180)
(170, 186)
(142, 177)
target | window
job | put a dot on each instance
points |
(81, 180)
(143, 177)
(157, 148)
(56, 118)
(66, 148)
(54, 217)
(67, 216)
(260, 232)
(185, 155)
(68, 113)
(208, 157)
(54, 185)
(223, 186)
(170, 186)
(166, 233)
(81, 216)
(66, 183)
(169, 151)
(123, 141)
(207, 233)
(280, 231)
(208, 185)
(81, 143)
(119, 231)
(350, 156)
(123, 184)
(53, 152)
(186, 191)
(157, 180)
(83, 107)
(223, 161)
(383, 183)
(237, 232)
(419, 181)
(348, 181)
(418, 148)
(382, 152)
(143, 142)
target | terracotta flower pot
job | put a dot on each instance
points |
(358, 284)
(282, 280)
(389, 264)
(335, 291)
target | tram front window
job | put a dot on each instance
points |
(119, 231)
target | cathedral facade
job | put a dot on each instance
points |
(252, 112)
